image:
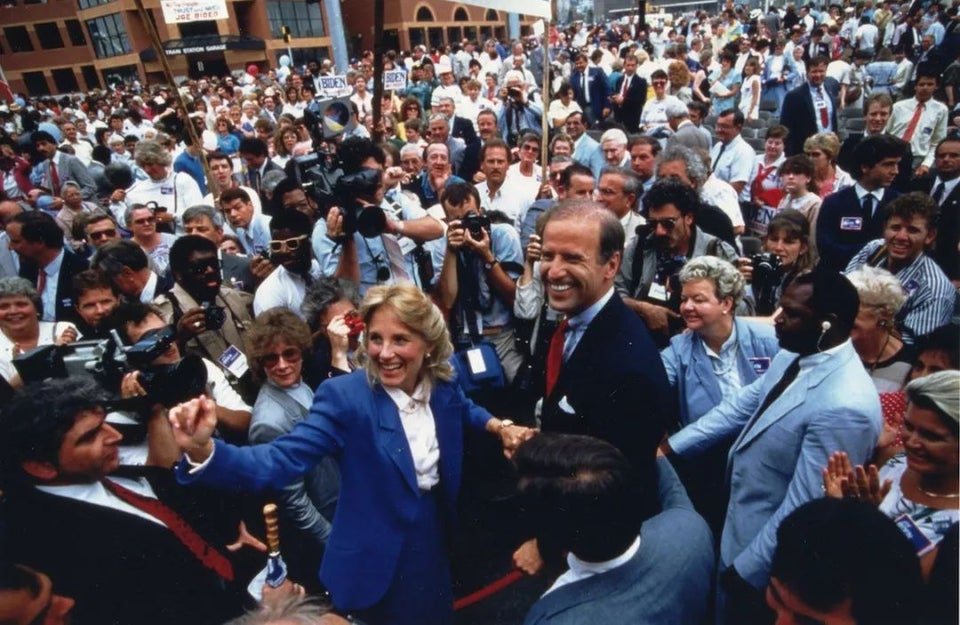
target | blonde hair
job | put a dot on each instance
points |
(413, 309)
(827, 142)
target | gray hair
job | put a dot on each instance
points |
(324, 293)
(696, 171)
(438, 116)
(411, 148)
(878, 289)
(203, 210)
(614, 134)
(728, 282)
(128, 214)
(271, 179)
(939, 392)
(299, 610)
(15, 286)
(151, 152)
(631, 181)
(676, 109)
(447, 99)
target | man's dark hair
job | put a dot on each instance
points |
(612, 238)
(701, 107)
(355, 150)
(292, 220)
(928, 70)
(456, 193)
(129, 313)
(39, 227)
(186, 245)
(90, 280)
(283, 187)
(672, 192)
(875, 148)
(115, 255)
(583, 495)
(658, 75)
(219, 156)
(830, 550)
(737, 115)
(234, 193)
(944, 339)
(833, 294)
(253, 145)
(911, 204)
(491, 144)
(574, 170)
(655, 146)
(42, 135)
(34, 422)
(817, 61)
(81, 221)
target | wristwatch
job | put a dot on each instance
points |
(490, 265)
(505, 423)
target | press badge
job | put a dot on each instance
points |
(760, 365)
(851, 223)
(658, 292)
(911, 530)
(233, 360)
(475, 360)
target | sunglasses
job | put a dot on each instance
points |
(202, 267)
(287, 245)
(103, 234)
(667, 223)
(144, 221)
(291, 355)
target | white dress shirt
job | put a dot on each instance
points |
(929, 131)
(421, 432)
(97, 494)
(48, 296)
(581, 569)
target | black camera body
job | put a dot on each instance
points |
(214, 316)
(475, 224)
(767, 276)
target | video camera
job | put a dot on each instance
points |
(767, 276)
(108, 360)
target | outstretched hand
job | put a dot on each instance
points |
(840, 479)
(193, 423)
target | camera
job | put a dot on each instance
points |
(475, 224)
(108, 360)
(214, 316)
(323, 180)
(767, 276)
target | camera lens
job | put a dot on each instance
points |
(383, 274)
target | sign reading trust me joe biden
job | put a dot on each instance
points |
(180, 11)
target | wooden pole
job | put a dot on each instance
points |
(377, 70)
(545, 96)
(147, 20)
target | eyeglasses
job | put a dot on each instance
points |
(201, 267)
(291, 355)
(302, 205)
(530, 147)
(287, 245)
(103, 234)
(143, 221)
(667, 223)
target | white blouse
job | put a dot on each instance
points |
(421, 432)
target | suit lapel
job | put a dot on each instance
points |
(392, 438)
(706, 378)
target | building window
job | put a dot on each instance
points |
(36, 83)
(491, 16)
(197, 29)
(302, 56)
(86, 4)
(470, 33)
(123, 75)
(109, 36)
(18, 39)
(436, 37)
(454, 34)
(65, 80)
(303, 20)
(461, 15)
(75, 32)
(424, 14)
(90, 76)
(48, 34)
(418, 37)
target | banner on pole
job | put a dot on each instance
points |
(180, 11)
(538, 8)
(394, 80)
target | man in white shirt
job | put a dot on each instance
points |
(921, 121)
(513, 199)
(732, 157)
(296, 268)
(175, 192)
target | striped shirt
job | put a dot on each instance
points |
(930, 294)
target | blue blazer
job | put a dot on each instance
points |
(599, 91)
(691, 374)
(667, 581)
(843, 229)
(777, 460)
(379, 498)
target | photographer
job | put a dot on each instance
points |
(381, 242)
(211, 319)
(478, 280)
(648, 277)
(786, 253)
(173, 192)
(522, 108)
(296, 268)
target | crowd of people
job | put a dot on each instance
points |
(714, 312)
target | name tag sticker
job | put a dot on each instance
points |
(820, 104)
(475, 360)
(233, 360)
(928, 131)
(760, 365)
(911, 287)
(910, 529)
(166, 190)
(658, 292)
(851, 223)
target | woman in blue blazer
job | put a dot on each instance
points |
(396, 428)
(712, 361)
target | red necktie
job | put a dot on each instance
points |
(626, 86)
(54, 178)
(555, 355)
(824, 116)
(200, 548)
(912, 126)
(41, 281)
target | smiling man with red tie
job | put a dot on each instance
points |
(629, 96)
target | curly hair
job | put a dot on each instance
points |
(271, 327)
(727, 281)
(879, 290)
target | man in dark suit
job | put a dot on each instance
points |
(44, 261)
(59, 167)
(462, 128)
(127, 550)
(944, 186)
(590, 90)
(630, 94)
(256, 154)
(809, 108)
(128, 268)
(852, 217)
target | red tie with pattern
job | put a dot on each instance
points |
(824, 115)
(54, 178)
(200, 548)
(555, 355)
